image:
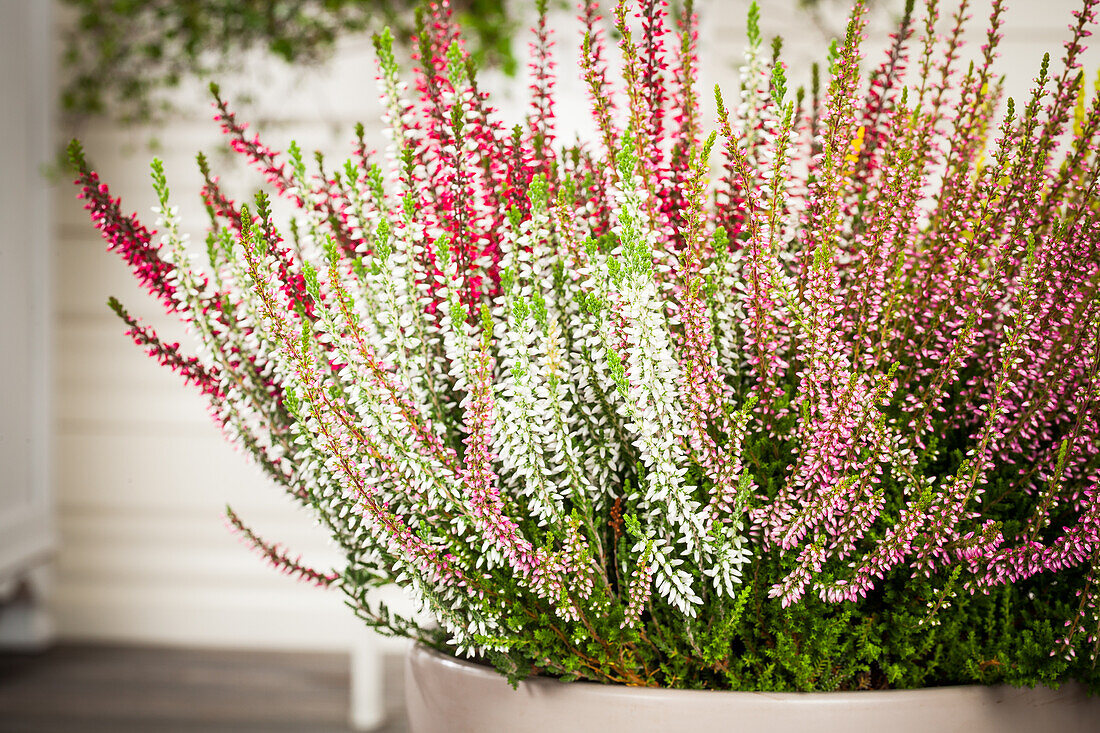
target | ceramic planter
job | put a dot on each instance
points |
(447, 695)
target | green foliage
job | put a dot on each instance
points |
(121, 55)
(910, 632)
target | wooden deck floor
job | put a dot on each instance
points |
(101, 689)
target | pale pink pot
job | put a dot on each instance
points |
(447, 695)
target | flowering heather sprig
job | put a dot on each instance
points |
(638, 593)
(168, 355)
(829, 422)
(540, 120)
(125, 235)
(278, 557)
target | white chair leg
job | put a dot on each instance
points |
(367, 699)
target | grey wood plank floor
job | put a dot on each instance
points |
(116, 689)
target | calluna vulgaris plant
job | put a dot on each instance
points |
(828, 421)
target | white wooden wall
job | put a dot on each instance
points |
(142, 475)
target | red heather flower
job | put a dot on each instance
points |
(125, 235)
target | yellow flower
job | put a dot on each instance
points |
(853, 157)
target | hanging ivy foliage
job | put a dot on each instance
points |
(122, 55)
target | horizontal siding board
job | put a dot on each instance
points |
(202, 553)
(161, 472)
(106, 382)
(206, 616)
(215, 617)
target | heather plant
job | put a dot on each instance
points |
(806, 402)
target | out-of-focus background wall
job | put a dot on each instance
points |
(26, 231)
(140, 476)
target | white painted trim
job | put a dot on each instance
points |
(28, 539)
(26, 530)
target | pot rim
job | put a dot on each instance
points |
(486, 672)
